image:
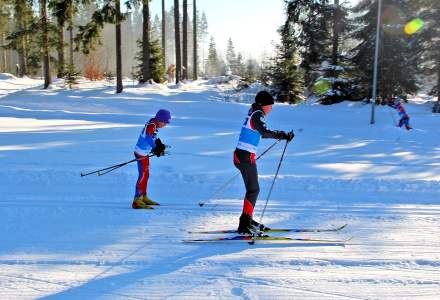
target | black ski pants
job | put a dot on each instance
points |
(246, 163)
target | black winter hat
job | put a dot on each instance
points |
(263, 98)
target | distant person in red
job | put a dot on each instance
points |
(148, 144)
(404, 117)
(253, 129)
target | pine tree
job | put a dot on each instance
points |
(240, 66)
(287, 76)
(156, 62)
(428, 34)
(252, 71)
(202, 29)
(336, 83)
(89, 34)
(312, 35)
(399, 53)
(213, 65)
(23, 38)
(231, 58)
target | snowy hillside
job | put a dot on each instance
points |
(63, 236)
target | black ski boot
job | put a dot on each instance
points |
(259, 226)
(245, 227)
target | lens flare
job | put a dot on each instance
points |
(321, 87)
(413, 26)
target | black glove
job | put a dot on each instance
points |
(288, 136)
(159, 150)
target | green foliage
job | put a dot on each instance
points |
(157, 63)
(89, 35)
(399, 53)
(71, 75)
(287, 76)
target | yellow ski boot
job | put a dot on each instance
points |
(138, 203)
(148, 201)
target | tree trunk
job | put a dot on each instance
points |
(177, 40)
(335, 33)
(21, 49)
(60, 72)
(163, 30)
(71, 38)
(119, 86)
(146, 68)
(195, 39)
(185, 40)
(4, 55)
(46, 66)
(438, 81)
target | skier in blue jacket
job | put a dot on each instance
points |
(253, 129)
(148, 143)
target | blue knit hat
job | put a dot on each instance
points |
(163, 115)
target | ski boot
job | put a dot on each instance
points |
(259, 226)
(138, 203)
(148, 201)
(245, 226)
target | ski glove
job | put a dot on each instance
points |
(159, 150)
(288, 136)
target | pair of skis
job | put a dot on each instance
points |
(264, 237)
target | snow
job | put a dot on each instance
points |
(64, 236)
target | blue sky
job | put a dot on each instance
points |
(252, 24)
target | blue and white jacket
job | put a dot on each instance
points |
(253, 129)
(147, 139)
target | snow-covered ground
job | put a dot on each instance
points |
(63, 236)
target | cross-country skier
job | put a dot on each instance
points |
(404, 117)
(254, 128)
(148, 143)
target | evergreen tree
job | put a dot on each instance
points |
(312, 36)
(213, 65)
(336, 83)
(156, 30)
(252, 71)
(240, 66)
(399, 53)
(287, 76)
(231, 58)
(23, 38)
(89, 34)
(202, 28)
(429, 35)
(156, 62)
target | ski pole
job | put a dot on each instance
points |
(232, 178)
(270, 192)
(114, 167)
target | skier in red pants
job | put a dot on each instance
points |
(148, 143)
(253, 129)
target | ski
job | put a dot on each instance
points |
(274, 230)
(249, 238)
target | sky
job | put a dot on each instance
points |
(251, 24)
